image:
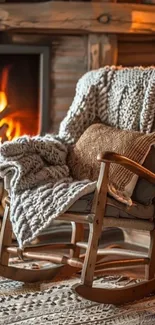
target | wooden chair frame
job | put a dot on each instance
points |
(92, 262)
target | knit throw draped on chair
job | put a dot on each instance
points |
(41, 187)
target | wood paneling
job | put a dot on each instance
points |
(102, 50)
(68, 64)
(136, 50)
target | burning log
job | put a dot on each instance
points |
(3, 131)
(9, 124)
(5, 112)
(4, 127)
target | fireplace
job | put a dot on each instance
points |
(24, 90)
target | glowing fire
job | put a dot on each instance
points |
(12, 127)
(3, 98)
(16, 118)
(13, 130)
(3, 101)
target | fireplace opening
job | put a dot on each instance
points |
(24, 94)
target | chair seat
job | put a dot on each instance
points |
(114, 208)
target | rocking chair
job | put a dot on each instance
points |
(87, 258)
(92, 262)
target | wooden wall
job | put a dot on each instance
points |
(72, 56)
(69, 62)
(136, 50)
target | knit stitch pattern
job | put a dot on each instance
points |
(40, 184)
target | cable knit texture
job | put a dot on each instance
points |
(40, 184)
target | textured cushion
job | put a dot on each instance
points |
(82, 158)
(144, 191)
(114, 208)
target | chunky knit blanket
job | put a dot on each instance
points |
(40, 184)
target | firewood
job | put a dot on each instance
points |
(3, 130)
(6, 111)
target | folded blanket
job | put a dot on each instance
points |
(41, 186)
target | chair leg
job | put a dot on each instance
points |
(91, 255)
(150, 268)
(95, 231)
(77, 236)
(5, 236)
(67, 271)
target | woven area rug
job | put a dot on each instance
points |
(56, 304)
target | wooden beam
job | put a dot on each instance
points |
(78, 17)
(94, 48)
(109, 50)
(102, 50)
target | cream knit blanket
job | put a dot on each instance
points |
(41, 187)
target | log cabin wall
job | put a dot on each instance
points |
(73, 54)
(136, 50)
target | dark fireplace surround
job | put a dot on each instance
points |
(24, 77)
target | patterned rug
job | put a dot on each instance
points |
(56, 304)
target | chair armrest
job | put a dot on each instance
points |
(112, 157)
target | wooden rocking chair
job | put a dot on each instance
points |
(92, 262)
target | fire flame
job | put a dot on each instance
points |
(3, 98)
(13, 128)
(3, 101)
(14, 122)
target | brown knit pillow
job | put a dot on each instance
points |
(82, 157)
